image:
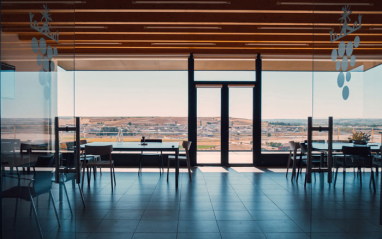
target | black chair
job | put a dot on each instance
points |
(377, 161)
(316, 159)
(186, 145)
(92, 164)
(40, 184)
(294, 157)
(354, 157)
(150, 155)
(8, 156)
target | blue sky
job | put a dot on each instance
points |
(290, 95)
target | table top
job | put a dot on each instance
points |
(337, 146)
(137, 146)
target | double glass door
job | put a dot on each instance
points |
(224, 123)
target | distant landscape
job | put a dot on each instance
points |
(275, 132)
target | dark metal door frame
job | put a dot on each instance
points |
(192, 112)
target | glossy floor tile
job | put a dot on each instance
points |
(227, 203)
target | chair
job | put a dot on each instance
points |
(89, 164)
(8, 156)
(356, 157)
(316, 158)
(186, 145)
(151, 154)
(293, 147)
(48, 161)
(377, 162)
(40, 184)
(14, 159)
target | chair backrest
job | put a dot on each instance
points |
(316, 140)
(358, 151)
(98, 149)
(14, 142)
(152, 140)
(45, 161)
(25, 148)
(70, 145)
(83, 141)
(42, 182)
(304, 148)
(7, 147)
(187, 145)
(293, 145)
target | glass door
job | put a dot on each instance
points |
(209, 124)
(225, 123)
(240, 125)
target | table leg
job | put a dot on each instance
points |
(176, 168)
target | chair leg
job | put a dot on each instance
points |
(298, 170)
(335, 177)
(67, 197)
(88, 172)
(83, 177)
(289, 159)
(360, 176)
(54, 206)
(82, 195)
(160, 166)
(115, 182)
(168, 168)
(189, 169)
(140, 164)
(35, 214)
(372, 180)
(376, 170)
(95, 172)
(111, 178)
(344, 176)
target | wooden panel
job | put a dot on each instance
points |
(287, 28)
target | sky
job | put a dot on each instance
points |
(286, 95)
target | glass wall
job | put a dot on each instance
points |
(141, 103)
(286, 104)
(31, 50)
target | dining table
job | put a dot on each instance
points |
(323, 147)
(148, 146)
(337, 146)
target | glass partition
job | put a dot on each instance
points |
(346, 87)
(32, 47)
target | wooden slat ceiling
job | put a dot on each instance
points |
(223, 35)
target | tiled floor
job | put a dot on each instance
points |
(228, 203)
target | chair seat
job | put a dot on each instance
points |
(99, 163)
(172, 157)
(150, 154)
(18, 192)
(89, 157)
(377, 161)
